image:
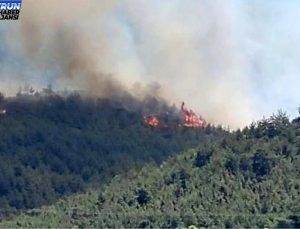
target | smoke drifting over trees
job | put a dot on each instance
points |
(192, 50)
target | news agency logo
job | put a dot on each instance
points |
(10, 9)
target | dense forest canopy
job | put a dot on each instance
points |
(247, 178)
(53, 145)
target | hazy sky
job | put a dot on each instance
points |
(232, 61)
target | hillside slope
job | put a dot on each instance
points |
(52, 146)
(249, 178)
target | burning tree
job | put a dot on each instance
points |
(191, 119)
(151, 120)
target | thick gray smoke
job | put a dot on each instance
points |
(198, 51)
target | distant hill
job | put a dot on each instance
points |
(53, 145)
(249, 178)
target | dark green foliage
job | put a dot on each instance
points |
(143, 197)
(293, 221)
(52, 146)
(171, 223)
(231, 165)
(144, 224)
(245, 164)
(202, 159)
(270, 127)
(261, 165)
(285, 224)
(247, 179)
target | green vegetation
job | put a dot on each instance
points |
(51, 146)
(249, 178)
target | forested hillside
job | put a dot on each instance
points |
(52, 145)
(249, 178)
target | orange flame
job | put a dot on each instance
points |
(151, 120)
(191, 119)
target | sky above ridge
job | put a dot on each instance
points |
(232, 61)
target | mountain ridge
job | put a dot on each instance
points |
(248, 178)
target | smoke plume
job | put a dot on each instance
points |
(202, 52)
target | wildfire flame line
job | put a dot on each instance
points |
(191, 120)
